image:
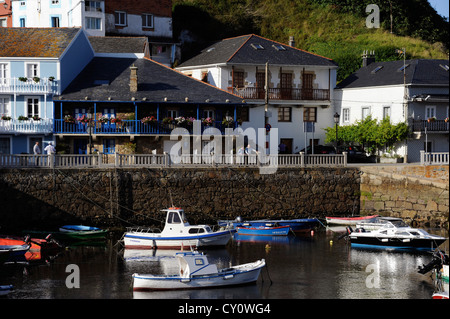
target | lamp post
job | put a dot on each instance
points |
(336, 122)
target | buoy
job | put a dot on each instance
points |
(312, 232)
(331, 242)
(267, 247)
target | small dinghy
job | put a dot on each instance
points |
(5, 289)
(266, 230)
(298, 226)
(196, 272)
(177, 234)
(348, 221)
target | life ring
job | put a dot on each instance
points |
(268, 127)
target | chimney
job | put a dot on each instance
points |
(368, 57)
(133, 79)
(291, 41)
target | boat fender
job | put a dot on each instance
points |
(27, 239)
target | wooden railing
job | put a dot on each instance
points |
(166, 160)
(433, 126)
(250, 93)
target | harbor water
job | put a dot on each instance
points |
(318, 266)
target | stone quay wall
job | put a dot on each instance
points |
(48, 198)
(417, 193)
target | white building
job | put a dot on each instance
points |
(299, 86)
(410, 91)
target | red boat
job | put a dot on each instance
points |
(37, 248)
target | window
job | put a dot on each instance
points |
(284, 114)
(365, 112)
(4, 106)
(109, 146)
(120, 18)
(5, 145)
(55, 22)
(244, 115)
(3, 73)
(32, 70)
(93, 23)
(3, 22)
(55, 2)
(23, 3)
(32, 106)
(386, 112)
(174, 218)
(257, 46)
(147, 20)
(22, 22)
(279, 47)
(94, 6)
(430, 111)
(346, 115)
(172, 113)
(208, 113)
(310, 114)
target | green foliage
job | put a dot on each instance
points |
(370, 133)
(331, 28)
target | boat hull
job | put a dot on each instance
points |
(348, 221)
(264, 231)
(396, 242)
(137, 240)
(301, 225)
(149, 282)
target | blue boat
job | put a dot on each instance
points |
(300, 225)
(263, 230)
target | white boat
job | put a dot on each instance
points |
(395, 234)
(378, 222)
(351, 221)
(177, 234)
(196, 272)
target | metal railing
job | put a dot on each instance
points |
(434, 158)
(30, 85)
(166, 160)
(27, 126)
(432, 126)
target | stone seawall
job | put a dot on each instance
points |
(40, 198)
(419, 194)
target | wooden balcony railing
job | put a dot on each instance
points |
(250, 93)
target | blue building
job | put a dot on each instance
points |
(35, 65)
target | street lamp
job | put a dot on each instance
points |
(336, 122)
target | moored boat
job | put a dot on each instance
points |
(5, 289)
(263, 230)
(177, 234)
(196, 272)
(71, 233)
(14, 253)
(348, 221)
(298, 226)
(395, 235)
(38, 246)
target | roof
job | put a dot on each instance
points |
(108, 78)
(118, 44)
(418, 72)
(35, 42)
(255, 50)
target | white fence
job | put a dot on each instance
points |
(165, 160)
(434, 158)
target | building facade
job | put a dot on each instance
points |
(5, 13)
(285, 87)
(35, 65)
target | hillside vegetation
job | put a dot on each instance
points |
(332, 28)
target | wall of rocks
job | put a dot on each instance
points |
(46, 198)
(419, 194)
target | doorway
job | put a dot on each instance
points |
(287, 142)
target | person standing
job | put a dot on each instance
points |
(36, 149)
(50, 149)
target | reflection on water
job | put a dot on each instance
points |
(319, 266)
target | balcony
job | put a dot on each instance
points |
(127, 127)
(43, 126)
(28, 86)
(437, 126)
(251, 93)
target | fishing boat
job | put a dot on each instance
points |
(196, 272)
(299, 225)
(378, 222)
(268, 229)
(177, 233)
(348, 221)
(38, 246)
(395, 234)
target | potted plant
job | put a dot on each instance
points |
(116, 120)
(167, 120)
(6, 118)
(208, 121)
(227, 121)
(36, 118)
(69, 119)
(446, 120)
(36, 79)
(431, 119)
(148, 120)
(103, 119)
(51, 78)
(83, 119)
(23, 79)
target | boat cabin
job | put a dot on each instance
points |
(195, 264)
(176, 222)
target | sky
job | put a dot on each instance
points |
(441, 6)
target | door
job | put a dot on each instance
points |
(286, 144)
(307, 86)
(260, 83)
(286, 86)
(80, 146)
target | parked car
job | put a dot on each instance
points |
(319, 149)
(355, 154)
